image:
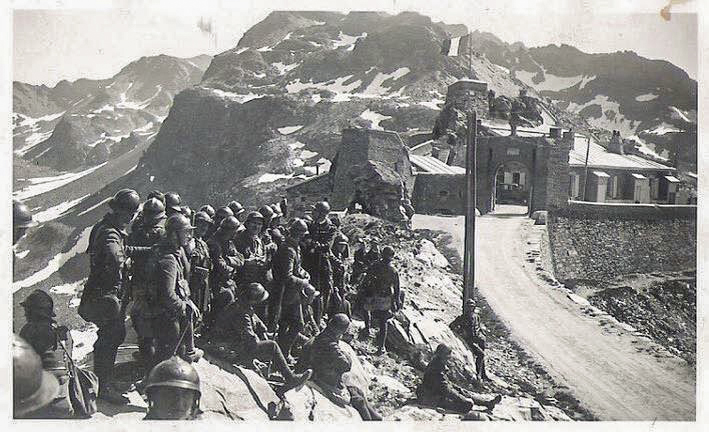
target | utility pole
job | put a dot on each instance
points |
(470, 205)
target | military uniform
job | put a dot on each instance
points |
(257, 264)
(44, 336)
(108, 254)
(437, 390)
(147, 233)
(320, 242)
(474, 336)
(226, 263)
(381, 296)
(201, 266)
(289, 279)
(170, 294)
(340, 282)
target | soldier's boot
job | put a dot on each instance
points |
(108, 393)
(296, 381)
(490, 404)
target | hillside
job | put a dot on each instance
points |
(87, 122)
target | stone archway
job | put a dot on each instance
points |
(512, 182)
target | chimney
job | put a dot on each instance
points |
(554, 132)
(615, 145)
(569, 136)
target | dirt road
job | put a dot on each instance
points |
(604, 369)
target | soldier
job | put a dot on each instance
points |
(437, 390)
(284, 206)
(42, 333)
(21, 220)
(474, 335)
(257, 257)
(239, 324)
(221, 214)
(170, 293)
(226, 263)
(201, 264)
(173, 203)
(102, 301)
(209, 210)
(187, 211)
(158, 195)
(491, 102)
(173, 391)
(340, 276)
(382, 295)
(236, 208)
(146, 232)
(322, 233)
(289, 281)
(33, 388)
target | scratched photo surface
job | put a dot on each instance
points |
(325, 212)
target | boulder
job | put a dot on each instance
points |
(421, 413)
(310, 403)
(358, 375)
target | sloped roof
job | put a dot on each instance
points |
(432, 165)
(599, 157)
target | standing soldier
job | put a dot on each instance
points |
(257, 258)
(173, 391)
(221, 214)
(474, 335)
(147, 232)
(209, 210)
(383, 295)
(103, 299)
(46, 338)
(201, 264)
(322, 233)
(171, 292)
(226, 262)
(21, 220)
(173, 203)
(289, 281)
(340, 276)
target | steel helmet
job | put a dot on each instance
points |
(32, 386)
(173, 201)
(298, 226)
(255, 293)
(208, 209)
(339, 322)
(21, 215)
(126, 200)
(266, 211)
(224, 212)
(154, 208)
(157, 195)
(185, 210)
(202, 216)
(254, 216)
(40, 302)
(236, 208)
(388, 252)
(230, 223)
(176, 373)
(177, 222)
(322, 207)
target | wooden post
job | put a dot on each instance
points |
(470, 205)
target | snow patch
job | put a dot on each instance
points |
(296, 145)
(336, 86)
(131, 170)
(32, 140)
(270, 177)
(22, 254)
(433, 103)
(307, 154)
(71, 288)
(551, 82)
(264, 49)
(284, 68)
(287, 130)
(297, 162)
(374, 117)
(375, 87)
(348, 41)
(586, 80)
(146, 127)
(662, 129)
(30, 121)
(40, 185)
(58, 210)
(94, 206)
(503, 69)
(316, 97)
(644, 148)
(55, 263)
(608, 107)
(235, 96)
(680, 113)
(240, 50)
(646, 97)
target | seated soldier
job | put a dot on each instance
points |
(42, 333)
(438, 391)
(173, 391)
(239, 325)
(330, 362)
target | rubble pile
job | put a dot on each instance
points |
(664, 310)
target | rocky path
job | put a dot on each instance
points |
(605, 367)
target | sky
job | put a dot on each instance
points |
(95, 39)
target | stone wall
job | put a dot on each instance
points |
(307, 193)
(439, 193)
(602, 241)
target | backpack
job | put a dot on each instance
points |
(83, 388)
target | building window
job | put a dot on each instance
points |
(516, 178)
(613, 187)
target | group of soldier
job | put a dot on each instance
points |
(273, 290)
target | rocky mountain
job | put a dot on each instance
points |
(270, 110)
(80, 123)
(651, 101)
